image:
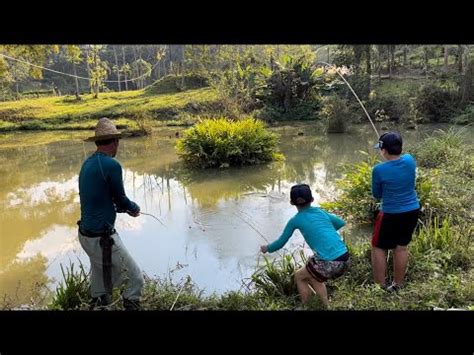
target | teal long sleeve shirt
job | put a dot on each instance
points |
(102, 193)
(319, 229)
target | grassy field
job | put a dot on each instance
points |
(64, 112)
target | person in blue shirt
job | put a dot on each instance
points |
(102, 195)
(319, 229)
(393, 181)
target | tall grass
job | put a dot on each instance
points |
(276, 278)
(440, 148)
(439, 274)
(223, 143)
(73, 293)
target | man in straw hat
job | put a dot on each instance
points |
(102, 195)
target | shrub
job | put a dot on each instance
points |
(435, 104)
(74, 291)
(291, 92)
(336, 114)
(223, 143)
(355, 201)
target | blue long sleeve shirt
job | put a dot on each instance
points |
(101, 192)
(393, 181)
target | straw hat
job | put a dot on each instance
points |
(105, 129)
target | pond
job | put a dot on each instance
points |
(214, 220)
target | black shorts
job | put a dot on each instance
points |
(392, 229)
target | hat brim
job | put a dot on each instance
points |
(377, 146)
(101, 138)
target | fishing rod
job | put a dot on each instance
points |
(255, 229)
(259, 233)
(144, 213)
(357, 97)
(149, 214)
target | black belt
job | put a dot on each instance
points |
(105, 243)
(343, 257)
(95, 234)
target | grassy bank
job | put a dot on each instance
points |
(63, 112)
(440, 275)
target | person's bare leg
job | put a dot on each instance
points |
(321, 290)
(303, 279)
(379, 264)
(400, 262)
(302, 285)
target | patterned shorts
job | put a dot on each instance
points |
(322, 270)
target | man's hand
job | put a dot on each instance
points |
(264, 249)
(134, 214)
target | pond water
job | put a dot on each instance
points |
(214, 220)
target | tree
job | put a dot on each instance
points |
(142, 70)
(12, 72)
(405, 55)
(73, 55)
(98, 69)
(368, 64)
(446, 56)
(117, 68)
(460, 58)
(389, 60)
(125, 68)
(467, 74)
(159, 55)
(18, 72)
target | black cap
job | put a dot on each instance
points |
(389, 140)
(300, 194)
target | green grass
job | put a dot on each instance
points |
(172, 84)
(65, 113)
(398, 87)
(440, 274)
(224, 143)
(74, 291)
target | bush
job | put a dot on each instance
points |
(360, 83)
(164, 295)
(355, 201)
(435, 104)
(172, 83)
(144, 125)
(291, 92)
(447, 168)
(223, 143)
(238, 87)
(336, 114)
(465, 117)
(387, 108)
(453, 240)
(441, 148)
(276, 278)
(74, 291)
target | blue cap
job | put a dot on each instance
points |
(389, 139)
